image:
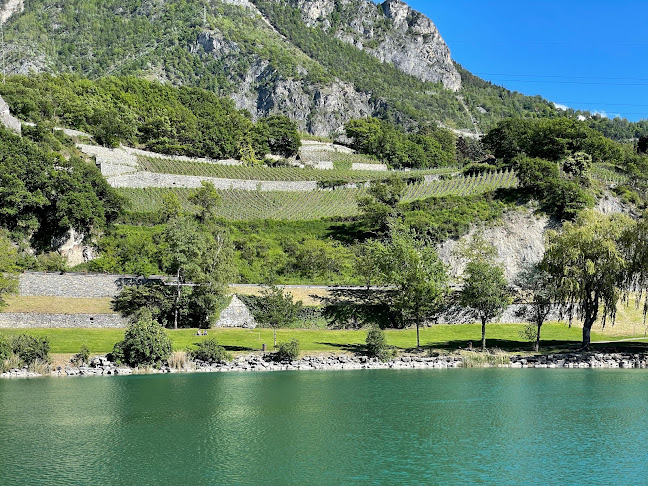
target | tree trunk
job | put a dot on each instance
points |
(177, 302)
(483, 334)
(418, 336)
(274, 332)
(587, 333)
(537, 343)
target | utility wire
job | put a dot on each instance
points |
(561, 76)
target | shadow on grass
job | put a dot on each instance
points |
(505, 345)
(622, 347)
(546, 346)
(239, 348)
(351, 348)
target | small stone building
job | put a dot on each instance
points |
(236, 314)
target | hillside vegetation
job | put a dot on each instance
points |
(175, 121)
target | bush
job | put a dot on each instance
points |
(287, 351)
(145, 343)
(31, 348)
(210, 352)
(82, 357)
(377, 345)
(5, 348)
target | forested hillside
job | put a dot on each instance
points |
(169, 120)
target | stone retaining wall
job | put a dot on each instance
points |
(140, 180)
(30, 321)
(74, 285)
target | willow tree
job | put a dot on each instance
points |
(591, 263)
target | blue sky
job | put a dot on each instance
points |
(589, 55)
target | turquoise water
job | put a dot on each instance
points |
(491, 426)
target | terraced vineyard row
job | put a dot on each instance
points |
(168, 166)
(295, 206)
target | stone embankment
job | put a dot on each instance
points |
(342, 362)
(100, 366)
(581, 360)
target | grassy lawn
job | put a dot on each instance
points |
(446, 337)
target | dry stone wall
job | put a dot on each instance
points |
(150, 179)
(74, 285)
(236, 315)
(30, 321)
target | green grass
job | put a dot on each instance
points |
(448, 337)
(238, 205)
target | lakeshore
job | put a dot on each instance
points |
(101, 366)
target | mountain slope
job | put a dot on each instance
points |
(321, 62)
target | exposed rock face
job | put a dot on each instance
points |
(7, 119)
(321, 110)
(393, 32)
(519, 241)
(9, 8)
(72, 247)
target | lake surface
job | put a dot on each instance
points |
(358, 427)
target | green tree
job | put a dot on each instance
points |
(376, 344)
(485, 289)
(538, 297)
(184, 248)
(278, 135)
(145, 343)
(8, 269)
(171, 206)
(588, 260)
(380, 206)
(207, 199)
(418, 277)
(277, 309)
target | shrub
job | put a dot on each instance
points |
(210, 352)
(179, 360)
(9, 363)
(31, 348)
(287, 351)
(377, 347)
(5, 348)
(82, 357)
(145, 343)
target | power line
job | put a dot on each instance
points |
(561, 76)
(596, 103)
(581, 83)
(542, 43)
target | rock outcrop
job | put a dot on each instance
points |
(393, 33)
(518, 239)
(321, 110)
(72, 246)
(7, 119)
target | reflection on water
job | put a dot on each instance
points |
(437, 426)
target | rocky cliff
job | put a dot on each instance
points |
(392, 32)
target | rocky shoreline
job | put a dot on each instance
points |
(101, 366)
